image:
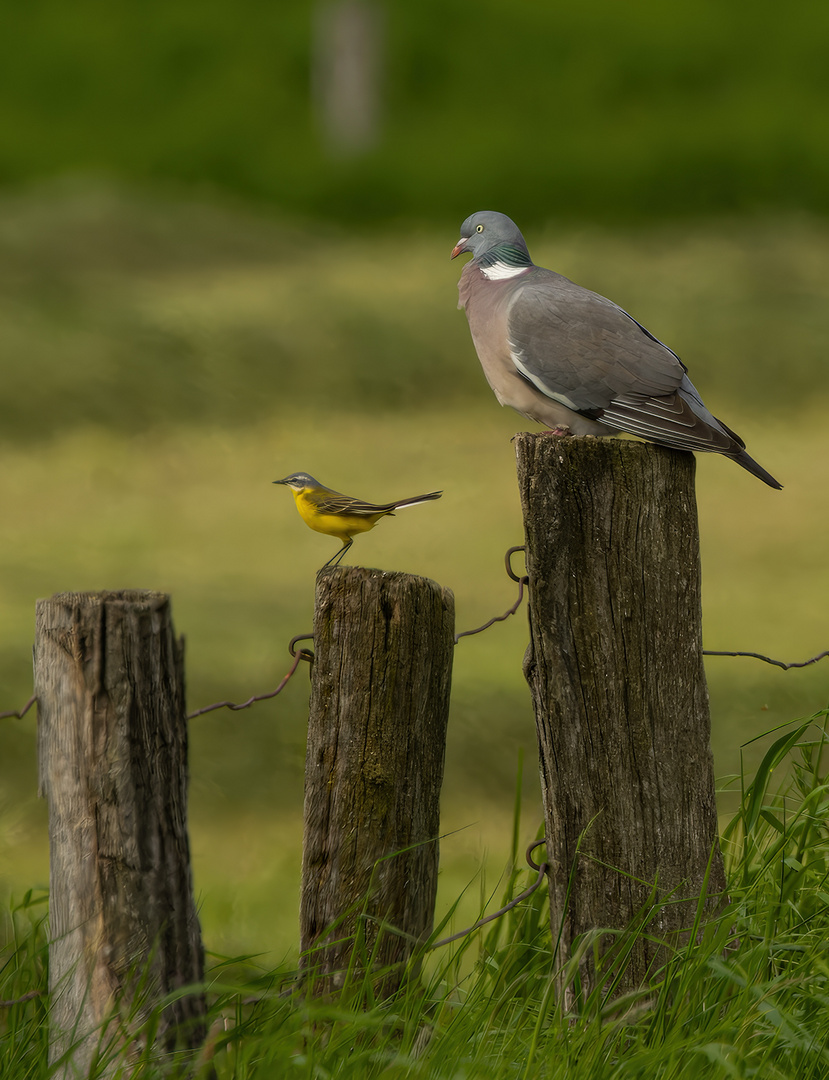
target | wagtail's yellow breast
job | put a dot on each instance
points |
(340, 524)
(328, 511)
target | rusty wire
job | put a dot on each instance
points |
(30, 996)
(768, 659)
(20, 712)
(298, 654)
(523, 583)
(542, 868)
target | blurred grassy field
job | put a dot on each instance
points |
(162, 363)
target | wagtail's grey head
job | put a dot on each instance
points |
(299, 481)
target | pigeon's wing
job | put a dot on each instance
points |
(583, 349)
(586, 352)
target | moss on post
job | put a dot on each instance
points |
(383, 645)
(615, 668)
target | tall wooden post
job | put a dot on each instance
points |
(616, 673)
(383, 645)
(112, 738)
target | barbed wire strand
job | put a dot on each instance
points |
(769, 660)
(542, 869)
(298, 654)
(523, 583)
(495, 618)
(21, 712)
(32, 994)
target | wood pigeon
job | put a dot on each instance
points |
(573, 360)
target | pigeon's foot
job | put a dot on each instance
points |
(559, 429)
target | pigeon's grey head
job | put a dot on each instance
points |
(299, 481)
(487, 230)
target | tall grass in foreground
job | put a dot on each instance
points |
(746, 996)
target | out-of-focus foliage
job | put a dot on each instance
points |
(600, 110)
(132, 311)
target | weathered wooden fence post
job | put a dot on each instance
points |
(383, 645)
(112, 738)
(616, 673)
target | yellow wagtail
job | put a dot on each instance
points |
(329, 512)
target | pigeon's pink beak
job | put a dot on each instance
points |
(460, 246)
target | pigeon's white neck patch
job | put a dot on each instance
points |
(498, 271)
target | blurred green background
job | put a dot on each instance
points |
(224, 256)
(600, 111)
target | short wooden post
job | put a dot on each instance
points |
(112, 740)
(616, 672)
(383, 645)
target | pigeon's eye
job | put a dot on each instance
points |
(479, 228)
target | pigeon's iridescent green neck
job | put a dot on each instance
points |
(506, 254)
(504, 261)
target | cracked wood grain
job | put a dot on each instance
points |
(615, 670)
(112, 748)
(383, 647)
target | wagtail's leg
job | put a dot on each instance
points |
(335, 559)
